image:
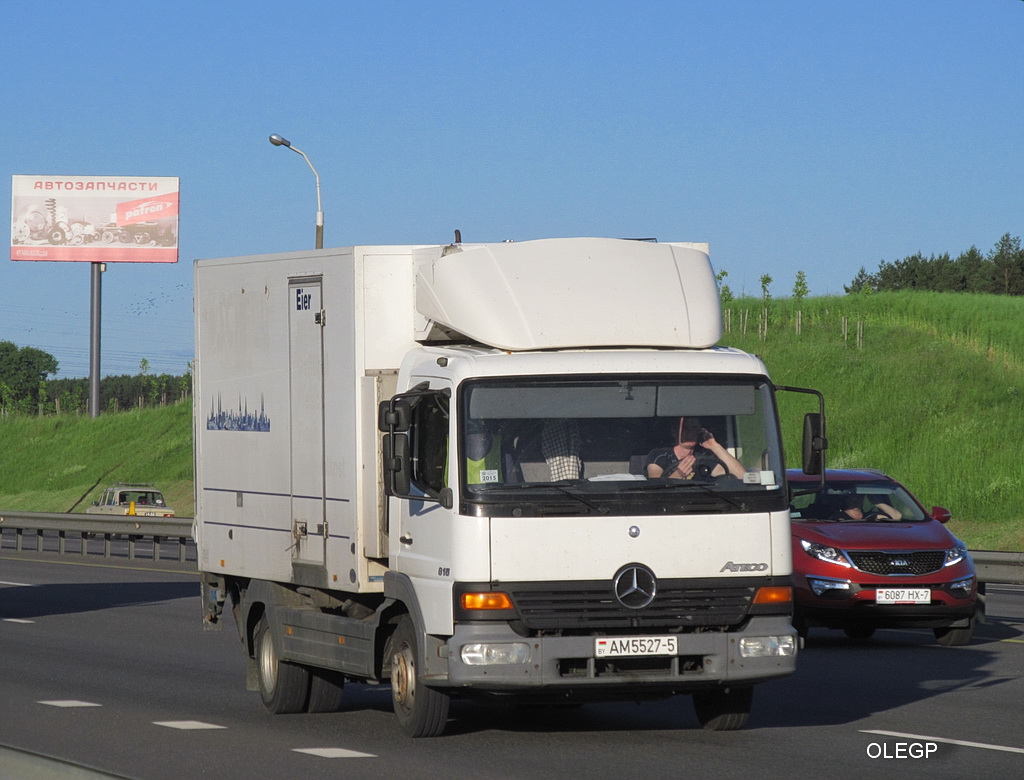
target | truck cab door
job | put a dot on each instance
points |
(422, 546)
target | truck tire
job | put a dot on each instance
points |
(325, 690)
(421, 711)
(284, 687)
(726, 709)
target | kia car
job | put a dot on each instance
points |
(866, 555)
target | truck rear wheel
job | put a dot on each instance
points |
(325, 691)
(726, 709)
(284, 687)
(421, 711)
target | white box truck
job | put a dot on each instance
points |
(508, 470)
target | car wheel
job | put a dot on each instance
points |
(800, 625)
(949, 636)
(284, 687)
(723, 710)
(859, 633)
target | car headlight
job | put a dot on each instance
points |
(827, 554)
(820, 586)
(955, 554)
(964, 585)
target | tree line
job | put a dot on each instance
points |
(25, 388)
(1000, 272)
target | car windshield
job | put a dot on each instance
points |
(619, 436)
(866, 501)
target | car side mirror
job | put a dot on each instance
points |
(941, 514)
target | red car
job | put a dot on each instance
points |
(866, 555)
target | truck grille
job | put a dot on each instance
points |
(592, 605)
(890, 563)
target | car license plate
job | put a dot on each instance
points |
(619, 646)
(903, 596)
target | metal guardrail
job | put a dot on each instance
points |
(995, 567)
(84, 534)
(1002, 568)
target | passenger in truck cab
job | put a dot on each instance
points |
(483, 454)
(696, 454)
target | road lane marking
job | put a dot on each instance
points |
(69, 703)
(18, 584)
(187, 725)
(960, 742)
(17, 620)
(333, 753)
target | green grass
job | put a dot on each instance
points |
(934, 395)
(62, 463)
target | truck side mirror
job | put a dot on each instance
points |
(814, 444)
(397, 464)
(394, 416)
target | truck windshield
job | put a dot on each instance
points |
(619, 444)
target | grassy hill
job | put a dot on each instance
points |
(926, 386)
(62, 463)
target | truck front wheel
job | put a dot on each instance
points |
(284, 687)
(421, 711)
(726, 709)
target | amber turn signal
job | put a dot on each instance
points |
(773, 595)
(489, 600)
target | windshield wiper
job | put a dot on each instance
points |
(563, 487)
(675, 484)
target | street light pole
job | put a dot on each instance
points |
(277, 140)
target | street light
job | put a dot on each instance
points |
(277, 140)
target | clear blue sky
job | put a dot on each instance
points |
(801, 135)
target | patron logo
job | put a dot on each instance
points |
(147, 209)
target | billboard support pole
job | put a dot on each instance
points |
(94, 338)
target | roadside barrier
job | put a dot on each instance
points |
(82, 534)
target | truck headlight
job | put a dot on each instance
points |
(767, 646)
(487, 653)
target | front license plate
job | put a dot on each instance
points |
(903, 596)
(619, 646)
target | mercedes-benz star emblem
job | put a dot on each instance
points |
(635, 586)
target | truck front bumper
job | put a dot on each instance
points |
(494, 658)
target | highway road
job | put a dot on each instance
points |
(105, 665)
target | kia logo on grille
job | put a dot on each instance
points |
(635, 586)
(900, 562)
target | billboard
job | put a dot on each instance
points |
(95, 219)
